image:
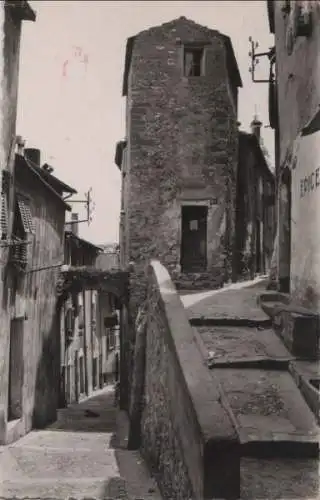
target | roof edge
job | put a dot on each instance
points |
(82, 240)
(43, 182)
(65, 187)
(127, 64)
(128, 55)
(21, 9)
(232, 60)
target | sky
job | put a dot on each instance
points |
(70, 102)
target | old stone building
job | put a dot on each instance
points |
(89, 324)
(79, 335)
(12, 14)
(30, 343)
(179, 159)
(255, 207)
(296, 26)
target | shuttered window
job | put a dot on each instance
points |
(25, 212)
(4, 217)
(23, 224)
(4, 221)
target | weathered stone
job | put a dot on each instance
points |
(178, 128)
(187, 435)
(138, 376)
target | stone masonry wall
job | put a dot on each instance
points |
(298, 69)
(182, 146)
(187, 436)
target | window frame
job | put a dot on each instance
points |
(193, 47)
(111, 334)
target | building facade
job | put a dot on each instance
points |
(88, 324)
(296, 26)
(109, 315)
(255, 207)
(179, 159)
(12, 15)
(80, 342)
(30, 387)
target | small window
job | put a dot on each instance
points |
(193, 225)
(25, 214)
(193, 61)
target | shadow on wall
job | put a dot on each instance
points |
(47, 384)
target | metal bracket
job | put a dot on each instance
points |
(255, 61)
(90, 206)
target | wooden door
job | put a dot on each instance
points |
(16, 369)
(194, 239)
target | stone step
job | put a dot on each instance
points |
(284, 478)
(241, 344)
(72, 440)
(298, 328)
(36, 462)
(106, 488)
(270, 415)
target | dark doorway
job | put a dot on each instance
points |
(194, 239)
(15, 369)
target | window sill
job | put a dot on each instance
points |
(195, 78)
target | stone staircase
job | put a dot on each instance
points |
(82, 455)
(277, 428)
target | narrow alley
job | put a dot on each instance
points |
(81, 455)
(159, 250)
(254, 369)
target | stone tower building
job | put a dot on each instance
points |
(179, 157)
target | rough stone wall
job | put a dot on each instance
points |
(298, 69)
(182, 146)
(187, 436)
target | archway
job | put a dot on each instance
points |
(87, 327)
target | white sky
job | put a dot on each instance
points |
(74, 112)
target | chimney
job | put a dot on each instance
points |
(74, 224)
(256, 127)
(20, 143)
(33, 155)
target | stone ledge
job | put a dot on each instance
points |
(302, 377)
(233, 322)
(298, 327)
(273, 296)
(217, 437)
